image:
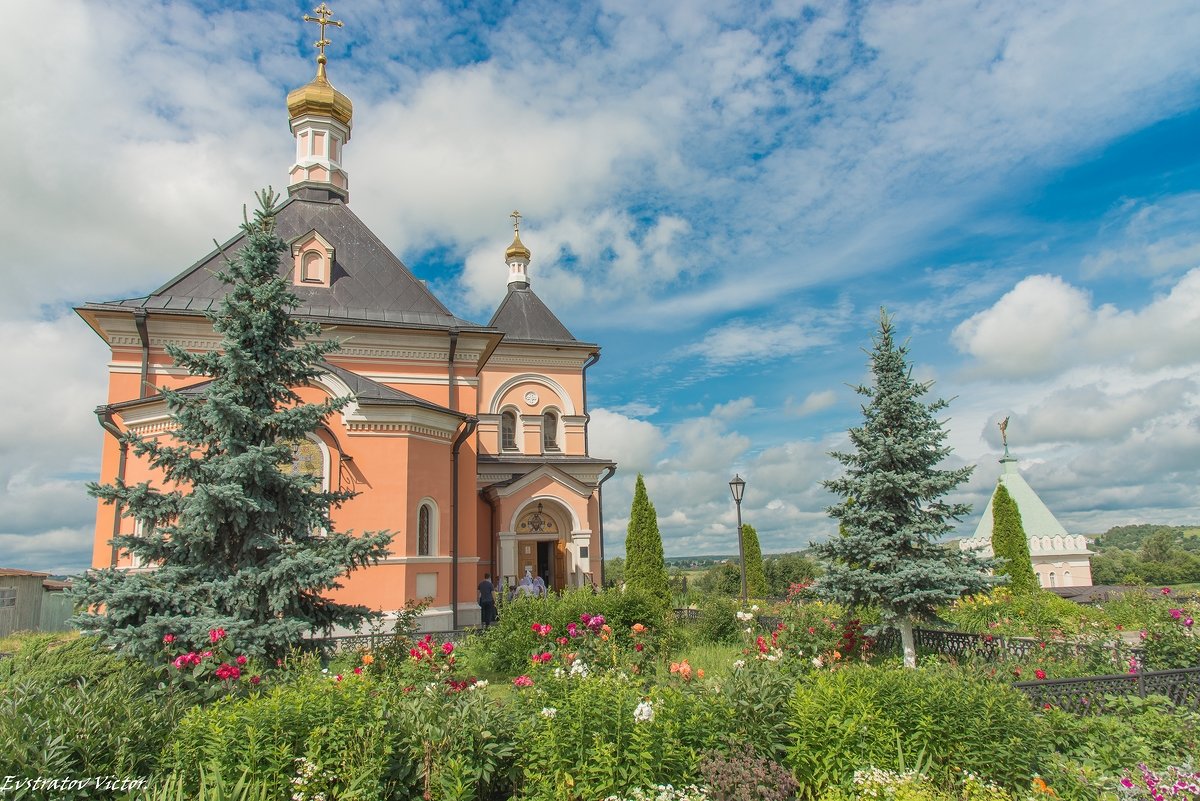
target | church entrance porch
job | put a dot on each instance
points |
(541, 544)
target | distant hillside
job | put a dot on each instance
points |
(1147, 553)
(1132, 538)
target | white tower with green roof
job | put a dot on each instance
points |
(1059, 559)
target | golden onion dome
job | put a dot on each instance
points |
(320, 98)
(517, 249)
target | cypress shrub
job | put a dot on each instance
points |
(1010, 544)
(645, 569)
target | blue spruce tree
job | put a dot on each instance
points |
(893, 513)
(236, 538)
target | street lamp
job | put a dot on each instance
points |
(738, 487)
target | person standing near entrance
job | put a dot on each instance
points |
(487, 601)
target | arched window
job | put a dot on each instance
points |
(312, 267)
(508, 431)
(425, 530)
(550, 431)
(1053, 581)
(1066, 578)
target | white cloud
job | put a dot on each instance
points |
(633, 444)
(813, 402)
(1044, 324)
(1029, 331)
(1151, 238)
(740, 342)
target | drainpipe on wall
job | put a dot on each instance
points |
(470, 424)
(493, 536)
(612, 468)
(451, 393)
(104, 415)
(140, 316)
(587, 415)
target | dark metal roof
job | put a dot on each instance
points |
(524, 318)
(372, 392)
(540, 459)
(368, 283)
(363, 389)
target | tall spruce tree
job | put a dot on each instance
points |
(756, 578)
(1010, 544)
(238, 539)
(887, 553)
(645, 568)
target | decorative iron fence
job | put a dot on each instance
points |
(687, 615)
(963, 644)
(1096, 693)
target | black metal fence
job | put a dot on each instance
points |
(962, 644)
(1096, 693)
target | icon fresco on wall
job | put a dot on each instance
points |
(535, 522)
(307, 459)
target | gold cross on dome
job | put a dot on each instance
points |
(323, 13)
(516, 218)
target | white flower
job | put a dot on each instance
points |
(749, 630)
(558, 673)
(324, 670)
(739, 664)
(818, 662)
(478, 684)
(578, 668)
(754, 608)
(744, 616)
(548, 712)
(644, 712)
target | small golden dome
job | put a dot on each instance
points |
(320, 98)
(517, 249)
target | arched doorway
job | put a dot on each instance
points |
(541, 545)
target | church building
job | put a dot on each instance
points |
(1059, 559)
(468, 442)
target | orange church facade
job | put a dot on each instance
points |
(467, 441)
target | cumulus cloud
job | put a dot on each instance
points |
(1045, 324)
(633, 444)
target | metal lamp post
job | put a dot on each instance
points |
(738, 487)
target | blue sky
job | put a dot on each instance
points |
(721, 194)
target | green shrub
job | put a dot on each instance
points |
(505, 647)
(1131, 730)
(862, 717)
(358, 739)
(56, 660)
(342, 726)
(718, 621)
(1040, 614)
(110, 726)
(589, 737)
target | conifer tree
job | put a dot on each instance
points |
(892, 514)
(238, 540)
(1010, 544)
(756, 578)
(645, 568)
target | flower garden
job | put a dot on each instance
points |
(599, 697)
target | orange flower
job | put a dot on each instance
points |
(637, 628)
(1040, 786)
(367, 659)
(700, 673)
